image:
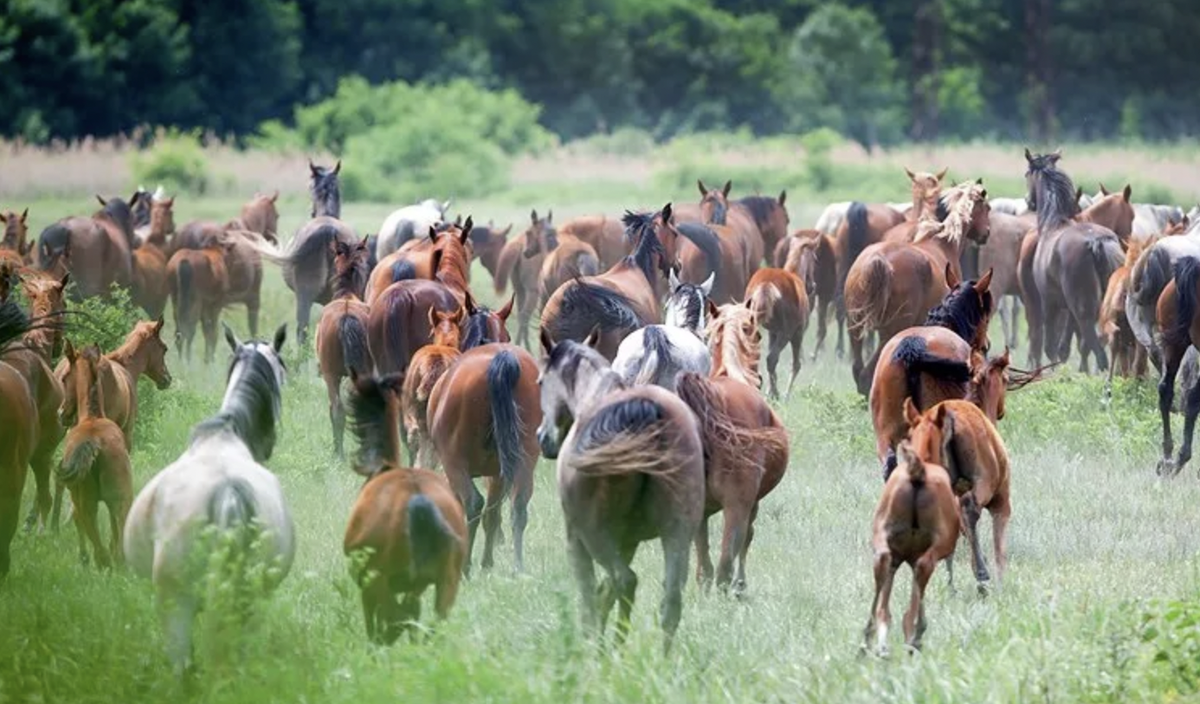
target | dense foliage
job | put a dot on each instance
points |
(873, 69)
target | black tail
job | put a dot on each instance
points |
(503, 372)
(231, 508)
(402, 270)
(585, 305)
(13, 322)
(1156, 272)
(856, 231)
(1187, 275)
(313, 248)
(1107, 256)
(917, 360)
(51, 243)
(428, 534)
(706, 241)
(356, 353)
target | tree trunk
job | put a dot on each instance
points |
(926, 55)
(1039, 70)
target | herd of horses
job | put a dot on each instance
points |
(647, 394)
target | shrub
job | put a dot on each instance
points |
(99, 321)
(176, 160)
(818, 161)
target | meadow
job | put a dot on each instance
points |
(1097, 604)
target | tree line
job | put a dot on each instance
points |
(879, 71)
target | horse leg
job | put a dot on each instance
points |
(856, 354)
(739, 578)
(520, 514)
(337, 413)
(208, 321)
(737, 518)
(704, 565)
(675, 569)
(797, 357)
(56, 511)
(40, 463)
(585, 579)
(176, 615)
(379, 610)
(619, 583)
(1006, 321)
(1166, 398)
(10, 513)
(252, 307)
(914, 620)
(87, 505)
(303, 310)
(409, 612)
(822, 324)
(839, 313)
(1015, 303)
(472, 503)
(1088, 339)
(881, 618)
(970, 511)
(491, 519)
(1191, 408)
(1000, 510)
(774, 348)
(524, 314)
(118, 511)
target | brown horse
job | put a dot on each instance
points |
(916, 523)
(341, 339)
(780, 304)
(482, 415)
(745, 449)
(199, 287)
(715, 209)
(95, 464)
(809, 255)
(770, 216)
(1002, 253)
(524, 274)
(150, 288)
(605, 234)
(406, 521)
(562, 258)
(100, 247)
(930, 363)
(261, 216)
(622, 299)
(713, 250)
(1128, 356)
(1176, 316)
(16, 236)
(927, 206)
(18, 428)
(894, 284)
(487, 242)
(630, 469)
(415, 259)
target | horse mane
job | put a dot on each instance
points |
(962, 311)
(694, 304)
(1055, 194)
(480, 234)
(639, 227)
(13, 323)
(760, 208)
(454, 266)
(954, 225)
(586, 305)
(377, 435)
(352, 280)
(252, 404)
(566, 356)
(326, 194)
(476, 329)
(630, 416)
(731, 349)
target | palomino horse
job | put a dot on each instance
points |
(780, 304)
(745, 444)
(929, 364)
(809, 255)
(218, 483)
(95, 464)
(894, 284)
(1072, 263)
(99, 247)
(916, 523)
(16, 236)
(341, 339)
(481, 418)
(657, 354)
(630, 469)
(150, 288)
(621, 299)
(308, 261)
(407, 223)
(407, 520)
(18, 428)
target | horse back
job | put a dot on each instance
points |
(978, 448)
(747, 407)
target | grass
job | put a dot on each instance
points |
(1094, 538)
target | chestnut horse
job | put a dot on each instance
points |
(16, 236)
(341, 339)
(487, 242)
(95, 464)
(894, 284)
(150, 288)
(605, 234)
(930, 363)
(1129, 357)
(199, 287)
(809, 255)
(780, 304)
(260, 215)
(415, 259)
(630, 469)
(482, 415)
(99, 247)
(713, 250)
(18, 428)
(407, 521)
(621, 299)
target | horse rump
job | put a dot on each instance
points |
(1187, 276)
(1107, 256)
(867, 295)
(356, 353)
(76, 465)
(429, 536)
(623, 437)
(231, 509)
(913, 354)
(723, 435)
(503, 373)
(1150, 276)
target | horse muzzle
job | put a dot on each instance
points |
(548, 443)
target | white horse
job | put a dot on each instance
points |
(834, 215)
(1009, 206)
(1149, 219)
(217, 482)
(656, 354)
(403, 224)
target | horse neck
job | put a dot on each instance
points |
(131, 355)
(255, 427)
(89, 402)
(727, 360)
(327, 206)
(984, 401)
(452, 270)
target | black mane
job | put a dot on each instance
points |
(1053, 193)
(760, 208)
(694, 307)
(475, 329)
(366, 404)
(639, 228)
(961, 311)
(326, 193)
(254, 407)
(628, 416)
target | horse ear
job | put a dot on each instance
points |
(281, 334)
(158, 325)
(979, 181)
(469, 303)
(506, 310)
(505, 231)
(546, 340)
(911, 414)
(707, 287)
(313, 169)
(337, 168)
(549, 216)
(728, 187)
(713, 311)
(66, 279)
(1078, 193)
(433, 317)
(782, 197)
(230, 337)
(673, 279)
(459, 314)
(667, 213)
(446, 205)
(274, 196)
(703, 190)
(102, 201)
(432, 233)
(1055, 155)
(910, 174)
(466, 230)
(69, 350)
(24, 215)
(533, 216)
(593, 337)
(1127, 193)
(984, 282)
(1103, 190)
(1028, 156)
(952, 278)
(942, 174)
(1004, 359)
(946, 422)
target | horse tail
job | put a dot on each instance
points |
(316, 241)
(1107, 257)
(857, 231)
(623, 437)
(356, 352)
(403, 270)
(1187, 276)
(724, 436)
(656, 347)
(231, 508)
(506, 265)
(867, 295)
(1150, 276)
(763, 299)
(916, 475)
(913, 354)
(503, 373)
(429, 534)
(76, 465)
(183, 287)
(707, 242)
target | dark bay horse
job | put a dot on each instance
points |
(487, 241)
(769, 215)
(99, 247)
(715, 209)
(512, 265)
(341, 339)
(630, 470)
(1176, 316)
(622, 299)
(150, 289)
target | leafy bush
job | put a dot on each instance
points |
(818, 162)
(625, 141)
(176, 160)
(98, 321)
(1171, 629)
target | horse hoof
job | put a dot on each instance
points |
(1165, 468)
(984, 588)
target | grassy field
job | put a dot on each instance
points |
(1096, 539)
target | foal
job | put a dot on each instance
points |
(341, 338)
(780, 303)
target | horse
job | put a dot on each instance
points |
(99, 247)
(217, 484)
(893, 285)
(916, 523)
(415, 259)
(407, 521)
(745, 444)
(149, 288)
(770, 216)
(622, 299)
(1150, 219)
(927, 206)
(569, 259)
(779, 300)
(241, 254)
(715, 209)
(492, 386)
(16, 236)
(525, 274)
(606, 236)
(930, 363)
(487, 242)
(1127, 355)
(341, 339)
(687, 307)
(198, 283)
(809, 255)
(1150, 275)
(1001, 253)
(957, 435)
(713, 250)
(95, 463)
(1072, 262)
(260, 215)
(630, 466)
(405, 223)
(18, 428)
(308, 261)
(657, 354)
